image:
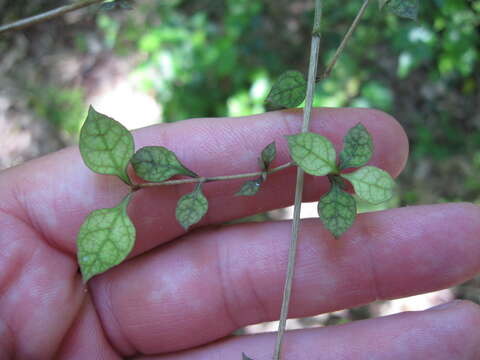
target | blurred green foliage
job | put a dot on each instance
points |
(62, 107)
(216, 58)
(212, 58)
(208, 58)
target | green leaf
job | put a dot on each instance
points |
(289, 90)
(337, 210)
(250, 187)
(357, 148)
(245, 357)
(105, 239)
(117, 4)
(314, 153)
(403, 8)
(372, 184)
(268, 155)
(156, 164)
(191, 208)
(106, 145)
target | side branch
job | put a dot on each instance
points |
(136, 187)
(23, 23)
(344, 42)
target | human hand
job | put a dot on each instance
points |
(179, 296)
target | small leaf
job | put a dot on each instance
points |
(106, 145)
(156, 164)
(191, 208)
(250, 187)
(105, 239)
(314, 153)
(357, 148)
(289, 90)
(245, 357)
(403, 8)
(268, 155)
(337, 210)
(371, 184)
(117, 4)
(108, 6)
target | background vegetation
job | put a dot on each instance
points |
(206, 58)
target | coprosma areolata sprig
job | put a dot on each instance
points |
(107, 236)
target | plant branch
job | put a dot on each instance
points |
(23, 23)
(344, 42)
(210, 179)
(307, 114)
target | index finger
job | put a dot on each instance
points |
(56, 192)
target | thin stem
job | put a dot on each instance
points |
(344, 42)
(23, 23)
(210, 179)
(307, 114)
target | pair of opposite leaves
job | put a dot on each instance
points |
(107, 236)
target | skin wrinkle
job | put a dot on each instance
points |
(7, 341)
(102, 299)
(222, 259)
(366, 236)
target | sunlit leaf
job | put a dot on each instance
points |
(156, 164)
(105, 239)
(314, 153)
(106, 145)
(403, 8)
(250, 187)
(268, 155)
(191, 208)
(289, 90)
(357, 147)
(337, 210)
(371, 184)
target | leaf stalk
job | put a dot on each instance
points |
(39, 18)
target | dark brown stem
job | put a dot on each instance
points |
(23, 23)
(344, 42)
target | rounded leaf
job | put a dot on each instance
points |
(337, 210)
(404, 8)
(191, 208)
(105, 239)
(250, 187)
(357, 147)
(372, 184)
(157, 164)
(314, 153)
(106, 145)
(289, 90)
